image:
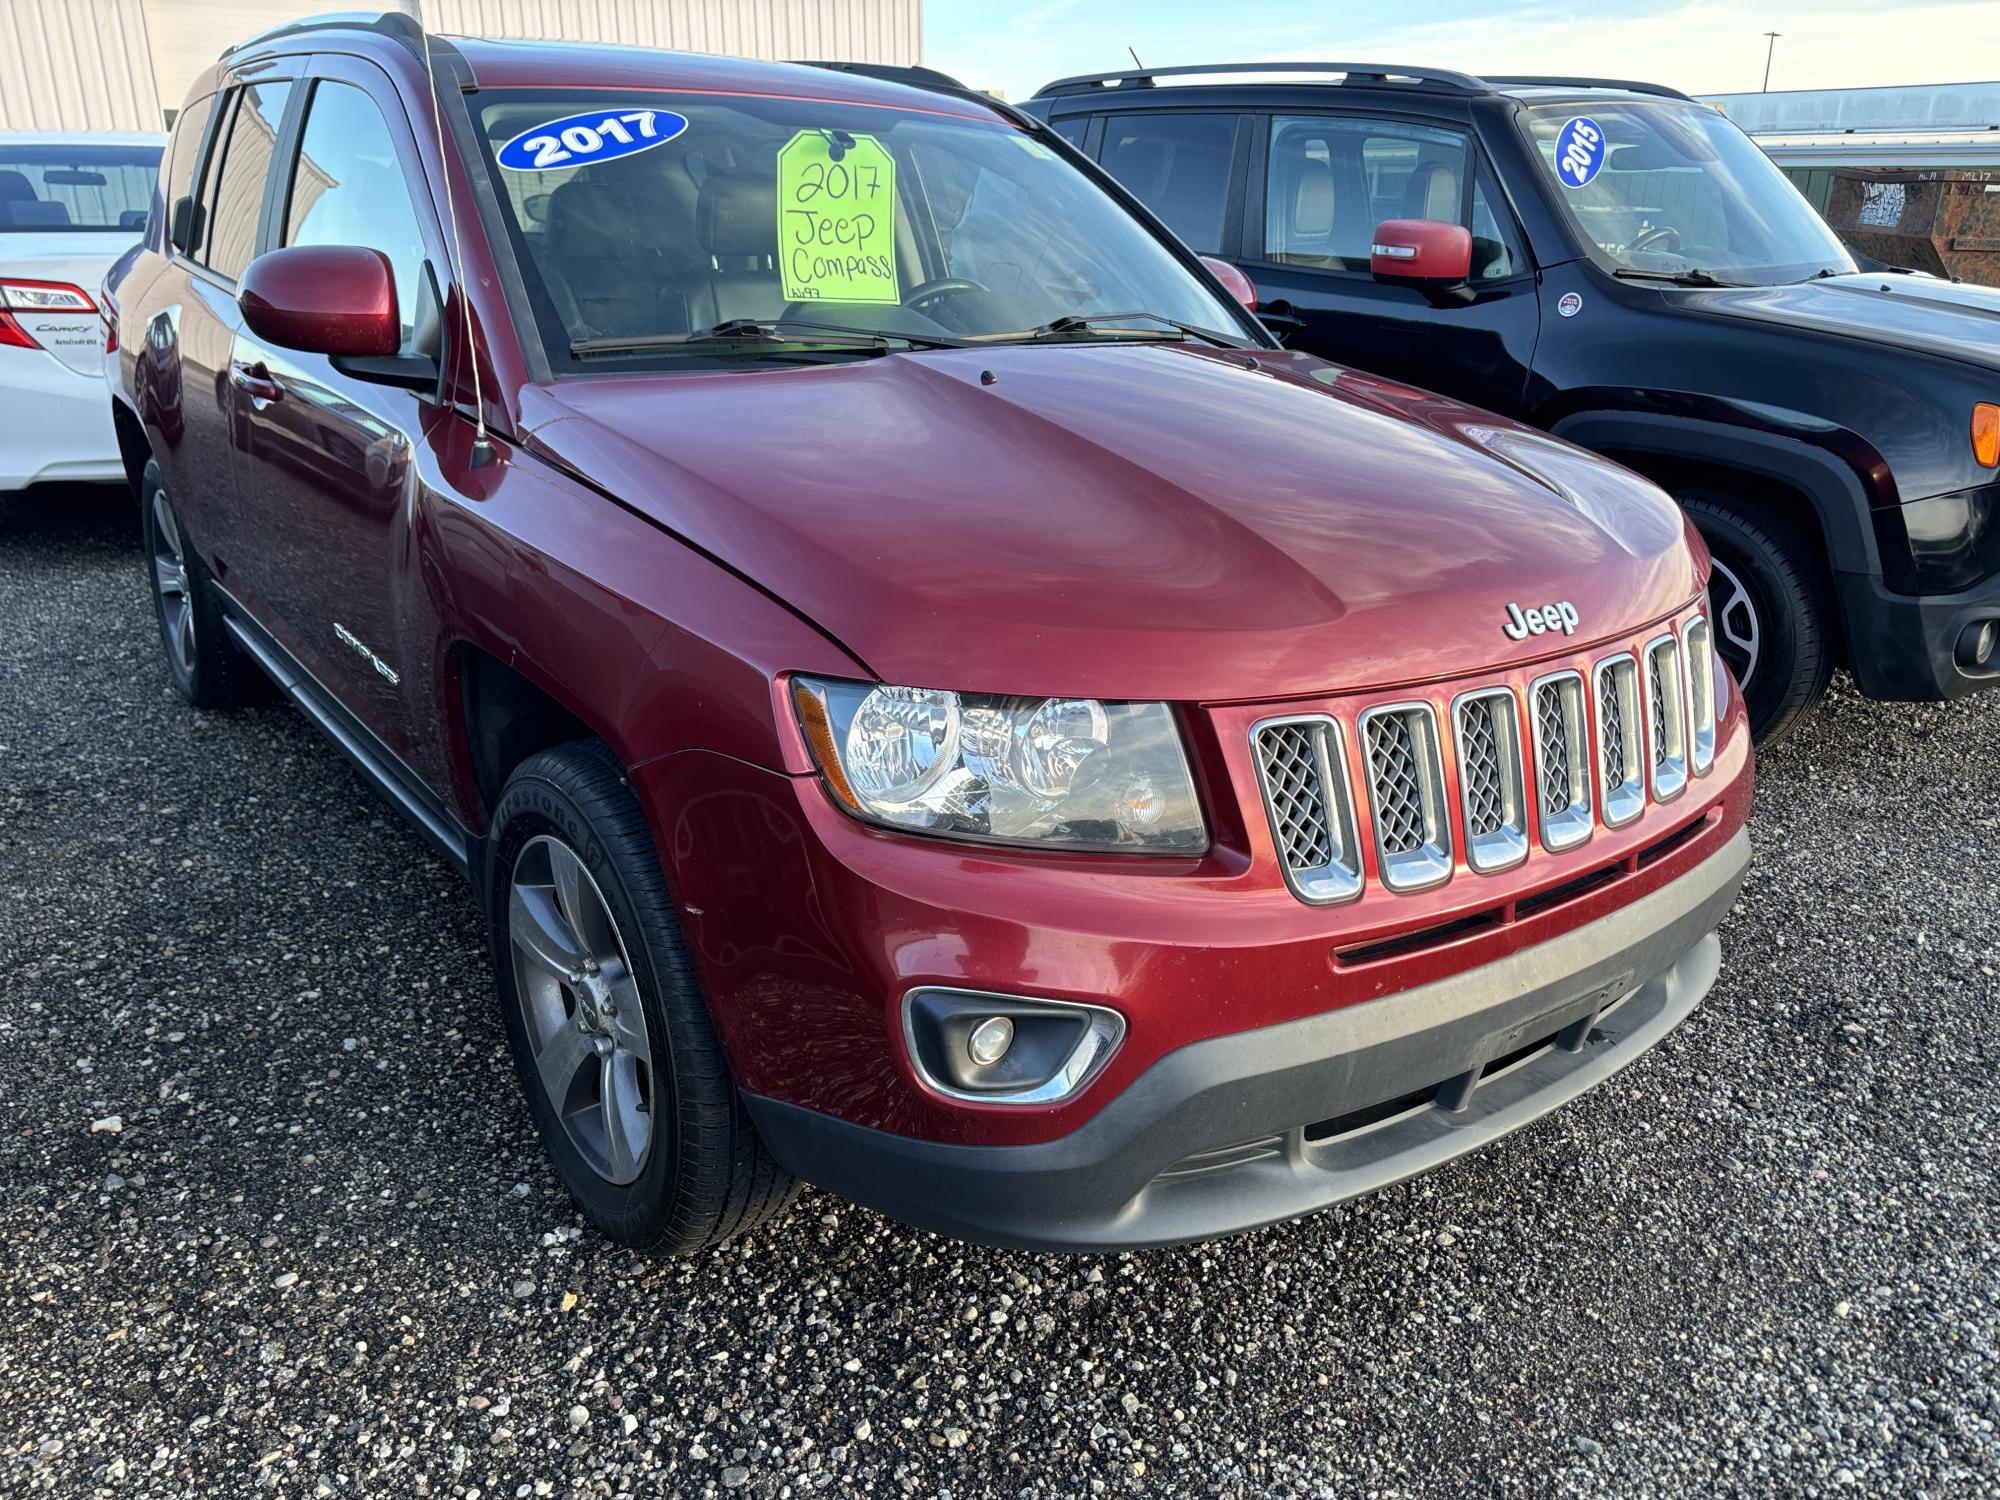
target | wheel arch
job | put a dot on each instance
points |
(135, 451)
(504, 717)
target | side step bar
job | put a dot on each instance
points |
(394, 780)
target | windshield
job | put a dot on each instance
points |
(1661, 186)
(644, 218)
(62, 185)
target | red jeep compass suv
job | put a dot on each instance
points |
(933, 700)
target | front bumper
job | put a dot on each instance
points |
(1258, 1126)
(58, 423)
(1903, 647)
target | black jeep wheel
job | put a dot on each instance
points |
(611, 1034)
(1770, 609)
(207, 667)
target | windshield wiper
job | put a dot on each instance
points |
(1098, 323)
(1677, 278)
(741, 332)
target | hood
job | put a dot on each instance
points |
(1931, 316)
(80, 260)
(1129, 520)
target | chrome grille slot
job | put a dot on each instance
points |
(1562, 760)
(1666, 716)
(1302, 770)
(1621, 775)
(1698, 655)
(1406, 795)
(1487, 730)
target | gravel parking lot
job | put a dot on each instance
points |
(275, 1219)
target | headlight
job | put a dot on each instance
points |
(1072, 772)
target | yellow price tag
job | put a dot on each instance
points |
(837, 219)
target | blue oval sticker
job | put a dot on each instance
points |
(598, 135)
(1579, 151)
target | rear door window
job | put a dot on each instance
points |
(1178, 166)
(237, 192)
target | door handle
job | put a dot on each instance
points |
(255, 382)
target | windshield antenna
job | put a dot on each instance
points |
(482, 448)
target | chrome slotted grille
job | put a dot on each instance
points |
(1620, 738)
(1562, 760)
(1667, 715)
(1578, 744)
(1487, 724)
(1302, 770)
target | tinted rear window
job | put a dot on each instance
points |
(54, 185)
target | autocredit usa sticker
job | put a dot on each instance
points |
(597, 135)
(1570, 304)
(1579, 152)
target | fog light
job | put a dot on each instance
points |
(990, 1040)
(1976, 644)
(1006, 1049)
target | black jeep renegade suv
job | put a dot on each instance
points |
(1620, 265)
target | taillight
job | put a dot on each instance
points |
(17, 296)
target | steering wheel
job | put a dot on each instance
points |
(1648, 239)
(922, 298)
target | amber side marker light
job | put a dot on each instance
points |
(818, 730)
(1986, 434)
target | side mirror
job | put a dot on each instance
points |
(1422, 253)
(323, 299)
(184, 224)
(1233, 281)
(339, 301)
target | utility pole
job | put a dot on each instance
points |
(1770, 47)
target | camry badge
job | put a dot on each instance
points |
(1522, 623)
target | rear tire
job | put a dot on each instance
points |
(206, 666)
(1770, 609)
(610, 1032)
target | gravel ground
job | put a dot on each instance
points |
(275, 1219)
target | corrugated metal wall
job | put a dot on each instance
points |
(76, 65)
(112, 64)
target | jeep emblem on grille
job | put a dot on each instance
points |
(1522, 623)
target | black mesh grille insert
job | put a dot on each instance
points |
(1485, 802)
(1399, 797)
(1552, 761)
(1299, 803)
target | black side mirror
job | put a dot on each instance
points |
(184, 225)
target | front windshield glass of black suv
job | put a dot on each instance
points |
(1662, 186)
(660, 227)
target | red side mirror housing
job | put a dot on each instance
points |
(1233, 280)
(337, 300)
(1421, 252)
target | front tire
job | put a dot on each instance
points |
(610, 1032)
(207, 668)
(1770, 610)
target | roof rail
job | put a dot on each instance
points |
(1143, 78)
(932, 81)
(1590, 83)
(397, 24)
(920, 78)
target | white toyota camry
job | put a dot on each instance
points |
(70, 205)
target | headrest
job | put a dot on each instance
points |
(1312, 199)
(1432, 192)
(27, 214)
(594, 220)
(15, 187)
(738, 215)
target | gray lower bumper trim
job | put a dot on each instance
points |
(1229, 1121)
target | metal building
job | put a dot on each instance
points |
(127, 64)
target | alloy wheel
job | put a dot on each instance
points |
(172, 585)
(1739, 633)
(584, 1019)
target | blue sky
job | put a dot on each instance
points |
(1703, 46)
